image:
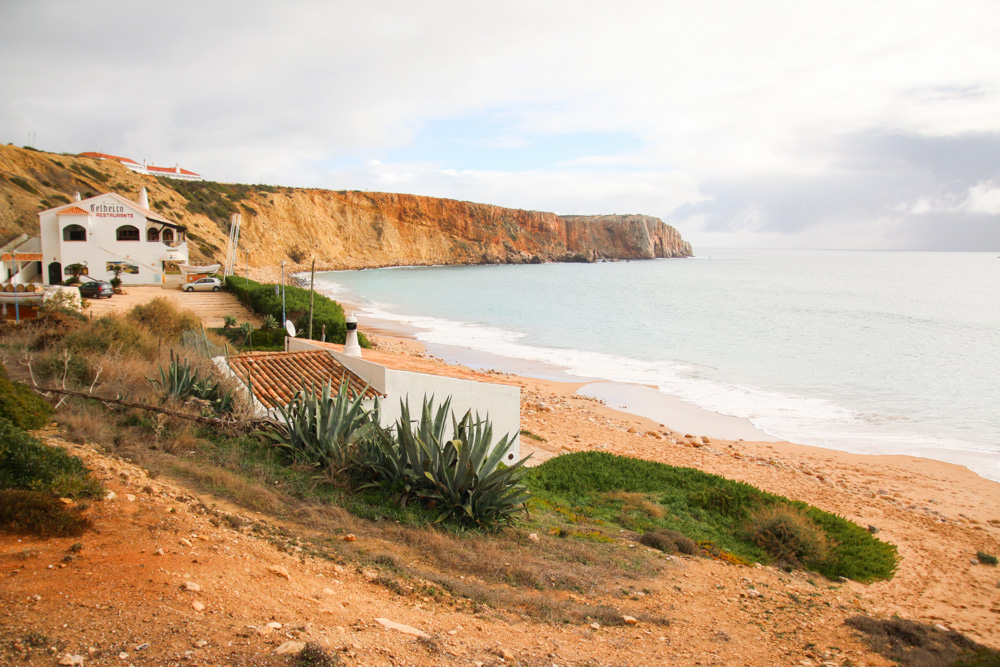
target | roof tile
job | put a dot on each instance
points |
(276, 378)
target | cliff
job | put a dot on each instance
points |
(339, 229)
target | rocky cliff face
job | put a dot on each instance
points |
(339, 229)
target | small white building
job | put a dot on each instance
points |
(149, 169)
(276, 377)
(109, 231)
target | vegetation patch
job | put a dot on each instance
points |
(261, 299)
(915, 644)
(731, 520)
(28, 464)
(40, 514)
(20, 405)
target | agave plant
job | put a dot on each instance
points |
(180, 380)
(319, 428)
(461, 477)
(270, 322)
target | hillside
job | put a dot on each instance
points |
(339, 229)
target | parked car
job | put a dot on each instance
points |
(96, 288)
(204, 285)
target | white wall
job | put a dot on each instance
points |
(107, 213)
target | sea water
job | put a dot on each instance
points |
(867, 352)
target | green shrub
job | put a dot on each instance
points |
(318, 428)
(462, 478)
(788, 535)
(35, 513)
(20, 405)
(261, 299)
(27, 464)
(162, 318)
(985, 558)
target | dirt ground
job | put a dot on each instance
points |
(211, 307)
(171, 577)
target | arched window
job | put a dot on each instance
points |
(168, 236)
(152, 235)
(74, 233)
(127, 233)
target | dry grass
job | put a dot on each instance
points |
(638, 502)
(219, 480)
(913, 644)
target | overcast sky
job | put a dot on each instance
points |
(744, 124)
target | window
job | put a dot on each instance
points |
(74, 233)
(168, 236)
(152, 234)
(127, 233)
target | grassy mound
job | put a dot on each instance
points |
(597, 491)
(19, 404)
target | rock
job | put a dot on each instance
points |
(201, 643)
(158, 552)
(350, 537)
(974, 561)
(123, 656)
(184, 542)
(328, 591)
(942, 628)
(274, 625)
(70, 659)
(534, 537)
(399, 627)
(198, 606)
(67, 501)
(506, 655)
(190, 586)
(290, 648)
(110, 495)
(595, 626)
(129, 497)
(279, 571)
(872, 529)
(630, 620)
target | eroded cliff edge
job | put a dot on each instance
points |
(339, 229)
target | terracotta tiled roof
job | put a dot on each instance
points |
(23, 257)
(402, 362)
(73, 210)
(277, 377)
(169, 170)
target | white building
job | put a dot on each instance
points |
(149, 169)
(109, 231)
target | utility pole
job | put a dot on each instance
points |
(283, 320)
(312, 283)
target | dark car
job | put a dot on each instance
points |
(96, 288)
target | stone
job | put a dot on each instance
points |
(506, 655)
(595, 626)
(201, 643)
(290, 648)
(198, 606)
(129, 497)
(184, 542)
(158, 552)
(942, 628)
(190, 586)
(630, 620)
(110, 495)
(399, 627)
(872, 529)
(70, 659)
(274, 625)
(534, 537)
(350, 537)
(279, 571)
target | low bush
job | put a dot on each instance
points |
(671, 542)
(788, 535)
(262, 300)
(162, 318)
(28, 464)
(985, 558)
(20, 405)
(35, 513)
(915, 644)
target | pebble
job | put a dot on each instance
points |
(110, 495)
(129, 497)
(158, 552)
(350, 537)
(399, 627)
(184, 542)
(201, 643)
(630, 620)
(198, 606)
(274, 625)
(290, 648)
(190, 586)
(279, 571)
(70, 659)
(534, 537)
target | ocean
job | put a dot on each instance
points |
(862, 351)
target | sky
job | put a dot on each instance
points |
(849, 124)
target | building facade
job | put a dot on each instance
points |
(108, 234)
(148, 169)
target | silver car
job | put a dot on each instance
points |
(204, 285)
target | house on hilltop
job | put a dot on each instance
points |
(148, 169)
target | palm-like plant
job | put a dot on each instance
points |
(270, 322)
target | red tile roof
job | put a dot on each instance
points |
(277, 377)
(169, 170)
(22, 257)
(73, 210)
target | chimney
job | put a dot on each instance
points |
(351, 347)
(144, 199)
(76, 196)
(177, 168)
